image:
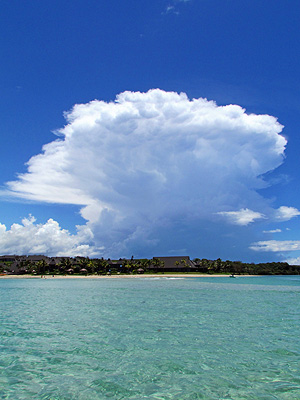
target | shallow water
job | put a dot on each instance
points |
(193, 338)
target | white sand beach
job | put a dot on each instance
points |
(25, 276)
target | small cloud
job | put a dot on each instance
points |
(170, 10)
(276, 245)
(178, 251)
(293, 261)
(171, 7)
(281, 179)
(284, 213)
(242, 217)
(273, 231)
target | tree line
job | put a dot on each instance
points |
(237, 267)
(87, 266)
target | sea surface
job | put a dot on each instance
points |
(150, 338)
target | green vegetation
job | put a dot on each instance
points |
(237, 267)
(40, 265)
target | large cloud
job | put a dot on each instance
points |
(152, 163)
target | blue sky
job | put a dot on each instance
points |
(184, 177)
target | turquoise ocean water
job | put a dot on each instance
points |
(192, 338)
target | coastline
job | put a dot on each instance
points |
(119, 276)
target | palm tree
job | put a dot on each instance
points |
(158, 263)
(145, 264)
(101, 266)
(65, 264)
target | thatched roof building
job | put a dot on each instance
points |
(173, 264)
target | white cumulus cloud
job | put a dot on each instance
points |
(276, 245)
(293, 261)
(48, 239)
(151, 166)
(273, 231)
(241, 217)
(286, 213)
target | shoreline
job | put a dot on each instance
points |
(26, 276)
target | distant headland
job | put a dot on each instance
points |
(43, 265)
